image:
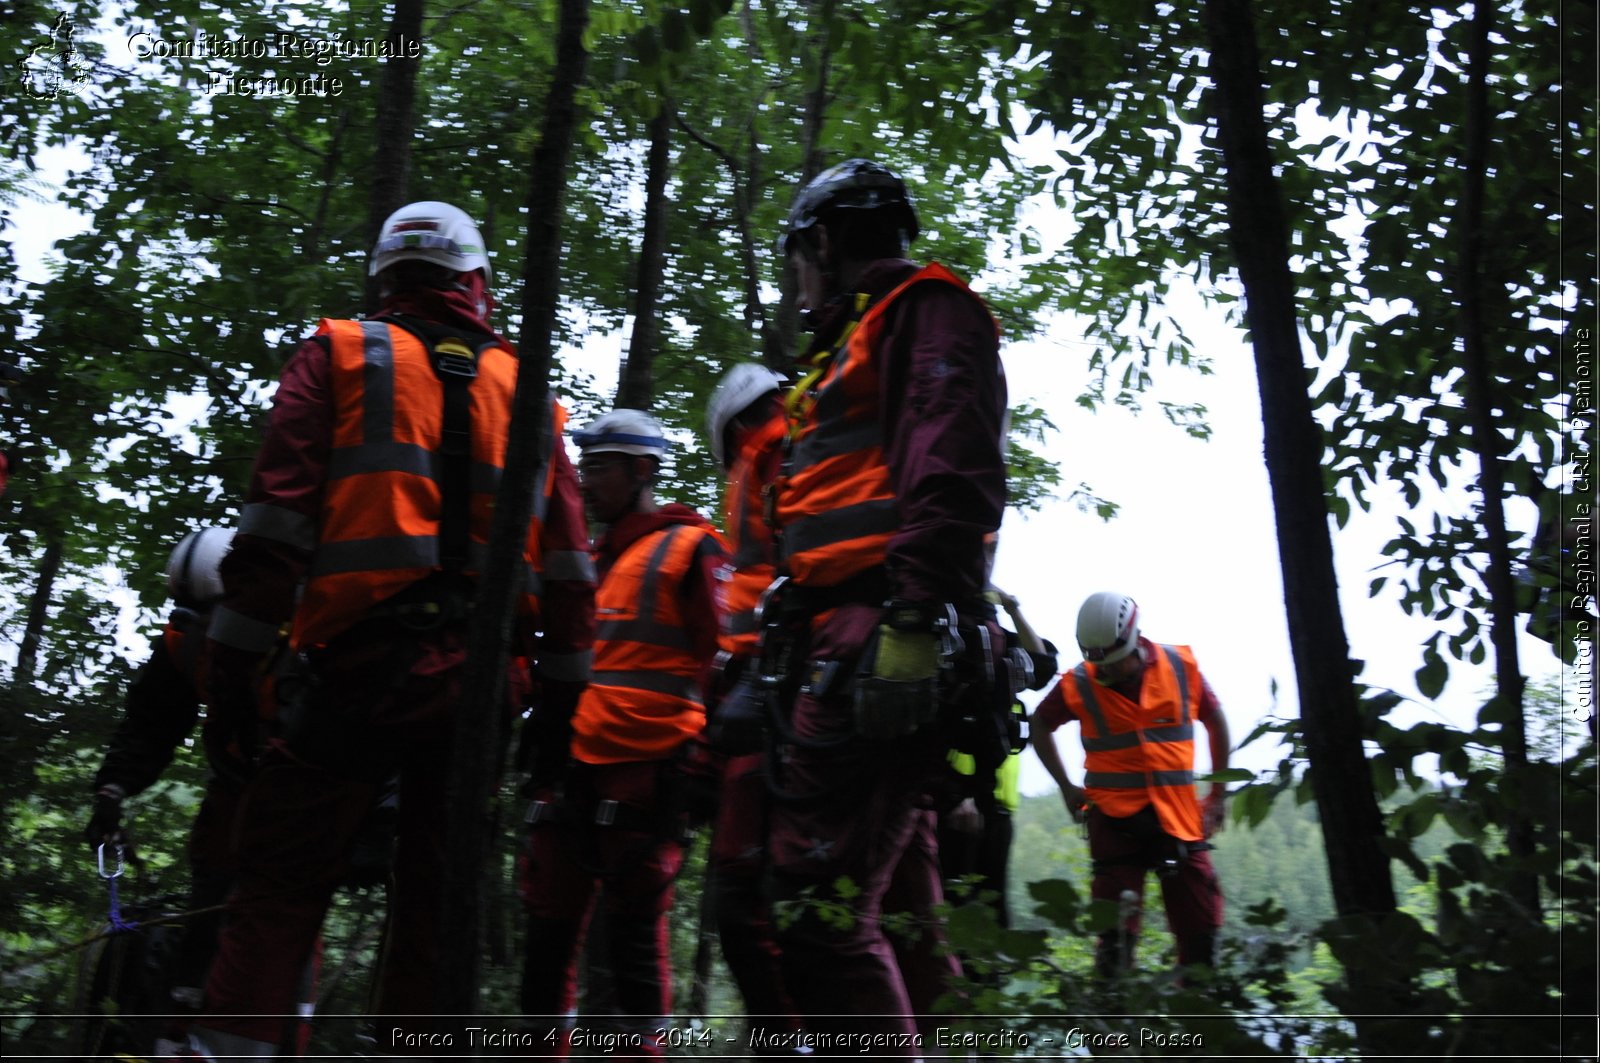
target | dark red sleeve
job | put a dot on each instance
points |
(944, 403)
(700, 599)
(278, 523)
(564, 647)
(160, 712)
(1209, 705)
(1051, 712)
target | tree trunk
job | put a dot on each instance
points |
(328, 178)
(39, 609)
(773, 352)
(811, 164)
(1351, 822)
(1480, 395)
(475, 754)
(636, 383)
(744, 179)
(396, 125)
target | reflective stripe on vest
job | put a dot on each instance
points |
(644, 699)
(836, 506)
(574, 667)
(379, 523)
(1128, 764)
(750, 570)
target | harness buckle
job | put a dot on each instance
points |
(452, 357)
(605, 813)
(538, 812)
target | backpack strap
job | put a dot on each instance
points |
(455, 362)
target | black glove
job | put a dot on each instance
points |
(230, 732)
(105, 822)
(544, 748)
(698, 771)
(1045, 666)
(738, 726)
(372, 853)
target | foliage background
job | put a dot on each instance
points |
(223, 226)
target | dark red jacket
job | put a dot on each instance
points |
(261, 574)
(943, 406)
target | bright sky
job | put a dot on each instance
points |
(1195, 545)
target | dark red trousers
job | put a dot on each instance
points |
(851, 809)
(1125, 851)
(380, 710)
(743, 912)
(629, 865)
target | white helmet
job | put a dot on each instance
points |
(623, 431)
(740, 388)
(194, 572)
(1108, 627)
(430, 232)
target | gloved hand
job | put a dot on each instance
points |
(1077, 802)
(896, 687)
(1214, 812)
(231, 730)
(543, 748)
(1045, 665)
(698, 770)
(372, 852)
(739, 723)
(105, 822)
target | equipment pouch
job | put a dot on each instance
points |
(888, 708)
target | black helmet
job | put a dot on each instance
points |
(855, 184)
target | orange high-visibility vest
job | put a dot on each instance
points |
(378, 529)
(749, 571)
(836, 506)
(1142, 753)
(644, 699)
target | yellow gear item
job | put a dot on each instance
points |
(906, 656)
(1007, 778)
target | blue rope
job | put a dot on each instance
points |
(117, 924)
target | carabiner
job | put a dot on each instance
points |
(101, 854)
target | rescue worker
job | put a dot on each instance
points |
(162, 706)
(1137, 703)
(975, 836)
(374, 487)
(893, 474)
(614, 827)
(746, 426)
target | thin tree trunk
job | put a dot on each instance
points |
(1351, 822)
(1481, 394)
(636, 382)
(773, 352)
(396, 125)
(327, 177)
(750, 271)
(475, 754)
(810, 165)
(39, 609)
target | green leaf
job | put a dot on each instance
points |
(1432, 675)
